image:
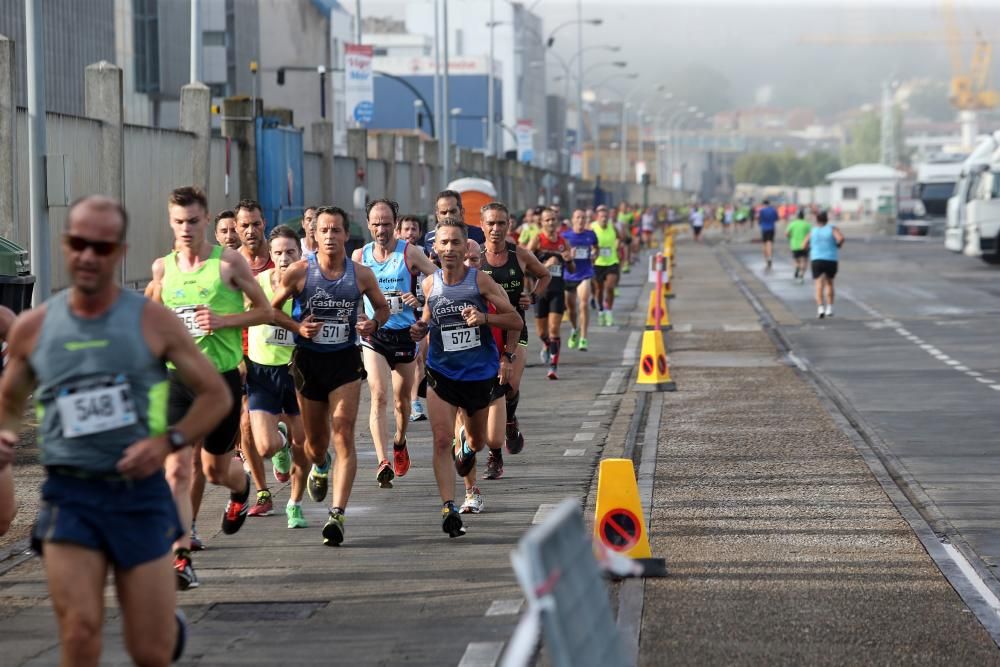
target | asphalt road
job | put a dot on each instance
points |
(913, 349)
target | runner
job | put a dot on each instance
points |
(647, 223)
(8, 505)
(326, 364)
(824, 243)
(509, 265)
(767, 218)
(556, 255)
(728, 215)
(448, 203)
(605, 265)
(206, 286)
(270, 389)
(462, 361)
(697, 222)
(225, 230)
(308, 234)
(623, 222)
(796, 233)
(94, 357)
(529, 228)
(409, 229)
(583, 243)
(250, 225)
(389, 354)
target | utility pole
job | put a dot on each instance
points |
(195, 41)
(579, 79)
(35, 51)
(490, 100)
(437, 79)
(357, 20)
(446, 102)
(887, 147)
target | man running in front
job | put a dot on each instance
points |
(605, 265)
(94, 356)
(390, 354)
(326, 364)
(205, 286)
(462, 359)
(554, 253)
(583, 243)
(767, 219)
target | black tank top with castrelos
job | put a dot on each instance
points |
(508, 275)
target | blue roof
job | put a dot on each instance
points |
(327, 6)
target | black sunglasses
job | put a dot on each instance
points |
(79, 244)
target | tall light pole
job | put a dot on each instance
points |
(195, 73)
(35, 52)
(437, 79)
(445, 101)
(490, 101)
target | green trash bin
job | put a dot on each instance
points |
(16, 284)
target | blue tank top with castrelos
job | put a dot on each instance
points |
(335, 303)
(822, 244)
(456, 350)
(394, 278)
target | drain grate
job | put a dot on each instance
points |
(263, 611)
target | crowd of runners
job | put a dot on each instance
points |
(255, 349)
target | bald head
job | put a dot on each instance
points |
(105, 210)
(473, 253)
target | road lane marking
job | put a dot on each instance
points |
(973, 374)
(597, 413)
(631, 348)
(574, 452)
(953, 362)
(794, 358)
(972, 576)
(984, 380)
(964, 369)
(583, 437)
(481, 654)
(543, 511)
(995, 386)
(505, 607)
(590, 425)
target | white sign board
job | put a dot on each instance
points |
(359, 85)
(525, 131)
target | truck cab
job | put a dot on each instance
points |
(955, 226)
(935, 185)
(982, 213)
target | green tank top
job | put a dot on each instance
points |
(607, 245)
(183, 291)
(100, 388)
(268, 344)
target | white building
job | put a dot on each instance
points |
(856, 190)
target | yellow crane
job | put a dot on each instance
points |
(970, 88)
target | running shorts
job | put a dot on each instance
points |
(824, 267)
(571, 285)
(553, 301)
(271, 389)
(130, 521)
(767, 235)
(799, 254)
(394, 344)
(469, 395)
(316, 374)
(223, 439)
(601, 273)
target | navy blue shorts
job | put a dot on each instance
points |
(271, 389)
(130, 521)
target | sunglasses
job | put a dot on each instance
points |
(101, 248)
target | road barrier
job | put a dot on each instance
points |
(654, 368)
(566, 595)
(618, 523)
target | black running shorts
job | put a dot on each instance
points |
(824, 267)
(469, 395)
(553, 301)
(767, 235)
(394, 344)
(799, 254)
(223, 439)
(601, 273)
(317, 374)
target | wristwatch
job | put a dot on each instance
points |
(510, 356)
(176, 440)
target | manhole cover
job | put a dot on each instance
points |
(263, 611)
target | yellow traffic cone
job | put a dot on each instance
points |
(651, 313)
(618, 521)
(654, 370)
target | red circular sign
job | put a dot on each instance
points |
(620, 529)
(647, 365)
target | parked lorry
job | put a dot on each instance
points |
(955, 226)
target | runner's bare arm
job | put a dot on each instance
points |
(154, 290)
(293, 281)
(7, 317)
(368, 285)
(418, 262)
(169, 340)
(838, 236)
(505, 317)
(242, 278)
(419, 328)
(18, 380)
(357, 255)
(805, 242)
(535, 269)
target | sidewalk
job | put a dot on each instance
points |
(782, 546)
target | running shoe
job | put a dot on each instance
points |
(236, 511)
(184, 569)
(829, 310)
(552, 374)
(384, 475)
(400, 459)
(583, 344)
(417, 413)
(513, 440)
(474, 502)
(319, 480)
(196, 543)
(281, 461)
(618, 290)
(626, 268)
(574, 338)
(494, 467)
(593, 303)
(820, 312)
(464, 461)
(333, 531)
(264, 505)
(609, 318)
(544, 355)
(295, 518)
(451, 522)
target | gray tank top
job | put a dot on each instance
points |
(100, 389)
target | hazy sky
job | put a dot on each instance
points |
(764, 51)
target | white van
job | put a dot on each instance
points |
(955, 227)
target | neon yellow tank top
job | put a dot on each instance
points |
(183, 291)
(268, 344)
(607, 245)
